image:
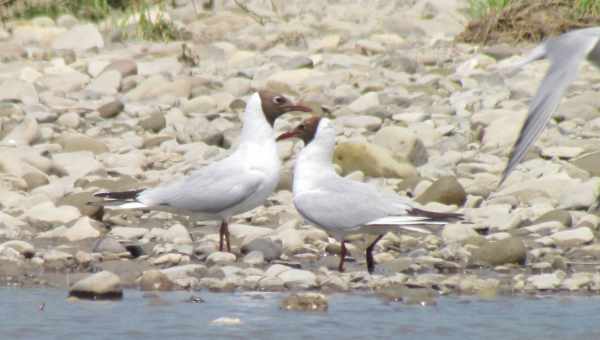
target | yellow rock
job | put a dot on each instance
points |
(372, 160)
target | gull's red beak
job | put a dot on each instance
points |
(287, 135)
(297, 107)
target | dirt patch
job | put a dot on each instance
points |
(527, 20)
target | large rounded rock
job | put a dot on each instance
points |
(446, 190)
(562, 216)
(84, 228)
(306, 302)
(298, 279)
(589, 163)
(403, 143)
(509, 250)
(372, 160)
(100, 286)
(573, 237)
(365, 104)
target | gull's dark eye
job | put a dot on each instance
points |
(279, 100)
(301, 127)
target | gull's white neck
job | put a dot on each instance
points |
(255, 128)
(315, 160)
(257, 147)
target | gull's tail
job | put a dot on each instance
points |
(415, 217)
(120, 199)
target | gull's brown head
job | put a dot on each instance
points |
(275, 104)
(305, 130)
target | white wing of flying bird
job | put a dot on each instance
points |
(565, 54)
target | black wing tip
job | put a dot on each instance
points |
(434, 216)
(120, 195)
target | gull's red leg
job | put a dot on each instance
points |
(370, 261)
(342, 256)
(227, 237)
(222, 229)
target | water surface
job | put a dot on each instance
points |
(349, 317)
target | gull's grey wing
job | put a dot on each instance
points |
(209, 190)
(343, 204)
(565, 54)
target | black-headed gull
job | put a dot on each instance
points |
(565, 52)
(342, 206)
(233, 185)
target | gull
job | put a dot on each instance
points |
(233, 185)
(565, 52)
(341, 206)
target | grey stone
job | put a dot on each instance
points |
(109, 245)
(509, 250)
(270, 249)
(155, 122)
(111, 109)
(254, 258)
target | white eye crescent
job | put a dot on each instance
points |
(279, 100)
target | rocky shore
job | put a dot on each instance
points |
(82, 111)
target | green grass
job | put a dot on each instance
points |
(588, 7)
(479, 8)
(159, 28)
(119, 12)
(94, 10)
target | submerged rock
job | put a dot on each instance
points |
(155, 280)
(306, 302)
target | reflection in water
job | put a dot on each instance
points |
(47, 314)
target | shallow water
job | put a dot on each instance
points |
(349, 317)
